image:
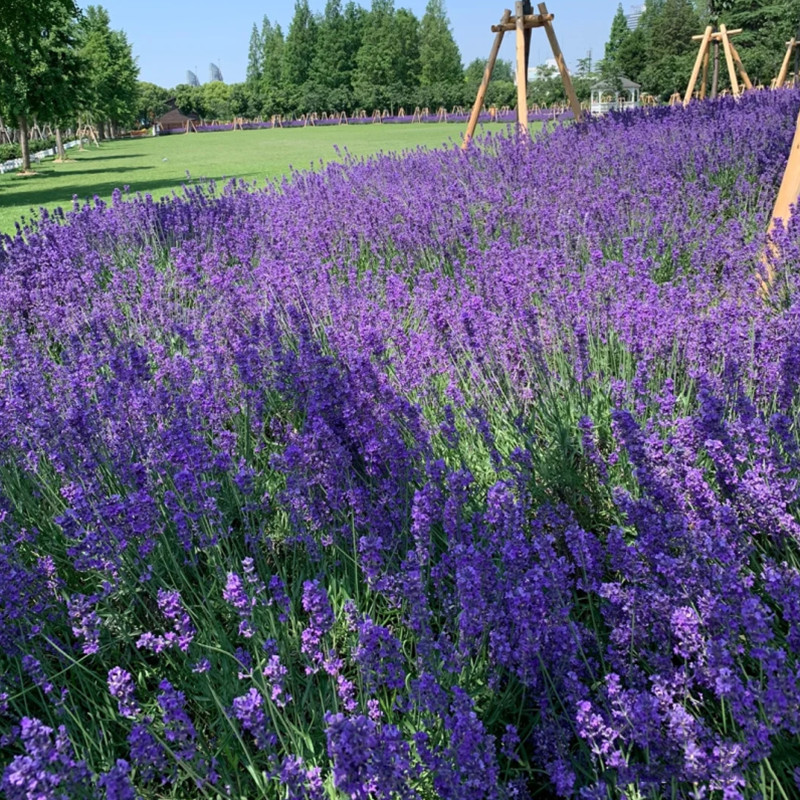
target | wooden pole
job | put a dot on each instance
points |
(705, 74)
(562, 65)
(785, 65)
(726, 45)
(715, 71)
(698, 62)
(487, 74)
(738, 61)
(788, 194)
(522, 78)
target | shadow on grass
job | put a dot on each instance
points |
(17, 179)
(50, 196)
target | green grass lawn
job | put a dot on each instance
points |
(161, 165)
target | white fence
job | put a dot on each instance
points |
(16, 163)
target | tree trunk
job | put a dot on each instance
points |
(61, 154)
(715, 78)
(22, 123)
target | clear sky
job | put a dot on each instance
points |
(170, 37)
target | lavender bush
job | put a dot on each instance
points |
(443, 475)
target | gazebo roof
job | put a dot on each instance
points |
(623, 83)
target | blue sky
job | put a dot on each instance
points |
(171, 36)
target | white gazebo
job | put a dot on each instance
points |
(615, 95)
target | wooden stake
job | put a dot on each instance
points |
(726, 46)
(785, 65)
(703, 85)
(788, 194)
(740, 67)
(487, 74)
(698, 62)
(562, 65)
(522, 78)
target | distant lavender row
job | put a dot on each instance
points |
(449, 475)
(461, 119)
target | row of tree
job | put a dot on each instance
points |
(350, 57)
(659, 52)
(60, 66)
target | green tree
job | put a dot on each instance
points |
(255, 53)
(151, 102)
(375, 59)
(41, 69)
(387, 64)
(766, 27)
(111, 71)
(619, 33)
(503, 71)
(332, 63)
(668, 32)
(272, 63)
(190, 99)
(407, 64)
(632, 56)
(216, 100)
(440, 58)
(301, 41)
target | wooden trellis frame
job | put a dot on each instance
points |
(87, 130)
(523, 22)
(732, 60)
(791, 46)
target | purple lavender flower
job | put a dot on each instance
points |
(179, 730)
(121, 687)
(117, 782)
(85, 621)
(320, 613)
(48, 767)
(249, 710)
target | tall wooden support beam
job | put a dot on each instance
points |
(487, 74)
(562, 64)
(704, 79)
(522, 72)
(790, 46)
(788, 195)
(702, 54)
(726, 46)
(738, 61)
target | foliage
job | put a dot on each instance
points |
(610, 68)
(111, 86)
(766, 27)
(255, 55)
(503, 71)
(151, 102)
(300, 47)
(334, 55)
(440, 59)
(41, 72)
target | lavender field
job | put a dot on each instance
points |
(444, 475)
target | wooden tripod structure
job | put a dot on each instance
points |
(523, 22)
(792, 46)
(722, 36)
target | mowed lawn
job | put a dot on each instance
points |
(161, 165)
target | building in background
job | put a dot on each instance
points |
(633, 16)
